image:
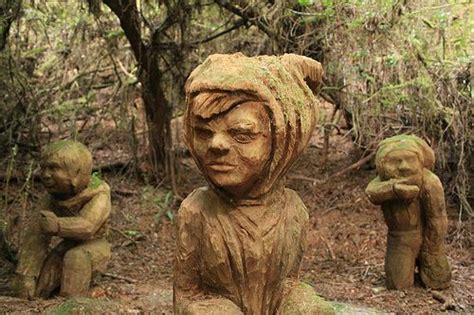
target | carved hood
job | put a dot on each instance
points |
(405, 142)
(285, 85)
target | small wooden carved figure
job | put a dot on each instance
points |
(240, 241)
(77, 210)
(412, 200)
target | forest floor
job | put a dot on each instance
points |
(344, 260)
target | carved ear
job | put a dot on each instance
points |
(310, 69)
(79, 182)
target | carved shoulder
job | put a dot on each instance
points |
(299, 212)
(193, 205)
(432, 183)
(433, 195)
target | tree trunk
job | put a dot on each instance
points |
(157, 112)
(157, 107)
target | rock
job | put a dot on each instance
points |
(159, 301)
(303, 300)
(349, 309)
(82, 305)
(377, 290)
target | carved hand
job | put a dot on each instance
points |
(49, 222)
(409, 180)
(24, 286)
(404, 191)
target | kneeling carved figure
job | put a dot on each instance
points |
(76, 210)
(240, 241)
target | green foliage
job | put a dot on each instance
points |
(60, 77)
(305, 3)
(403, 64)
(95, 181)
(132, 233)
(162, 202)
(165, 205)
(83, 305)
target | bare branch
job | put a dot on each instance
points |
(250, 16)
(127, 12)
(236, 25)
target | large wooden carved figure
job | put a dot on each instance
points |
(76, 210)
(412, 200)
(240, 241)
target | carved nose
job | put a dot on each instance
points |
(219, 144)
(404, 167)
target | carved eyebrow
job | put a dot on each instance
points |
(198, 125)
(244, 126)
(201, 127)
(246, 130)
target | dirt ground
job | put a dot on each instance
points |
(344, 259)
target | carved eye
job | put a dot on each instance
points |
(243, 137)
(203, 133)
(52, 167)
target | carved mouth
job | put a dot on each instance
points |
(220, 167)
(405, 174)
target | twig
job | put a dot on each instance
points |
(236, 25)
(114, 166)
(331, 252)
(326, 211)
(124, 192)
(448, 303)
(327, 129)
(122, 67)
(440, 297)
(356, 165)
(251, 17)
(123, 234)
(119, 277)
(305, 178)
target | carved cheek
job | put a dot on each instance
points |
(61, 175)
(63, 178)
(200, 148)
(391, 170)
(57, 178)
(253, 154)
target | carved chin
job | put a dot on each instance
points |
(231, 182)
(224, 179)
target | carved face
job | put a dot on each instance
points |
(233, 148)
(55, 177)
(402, 164)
